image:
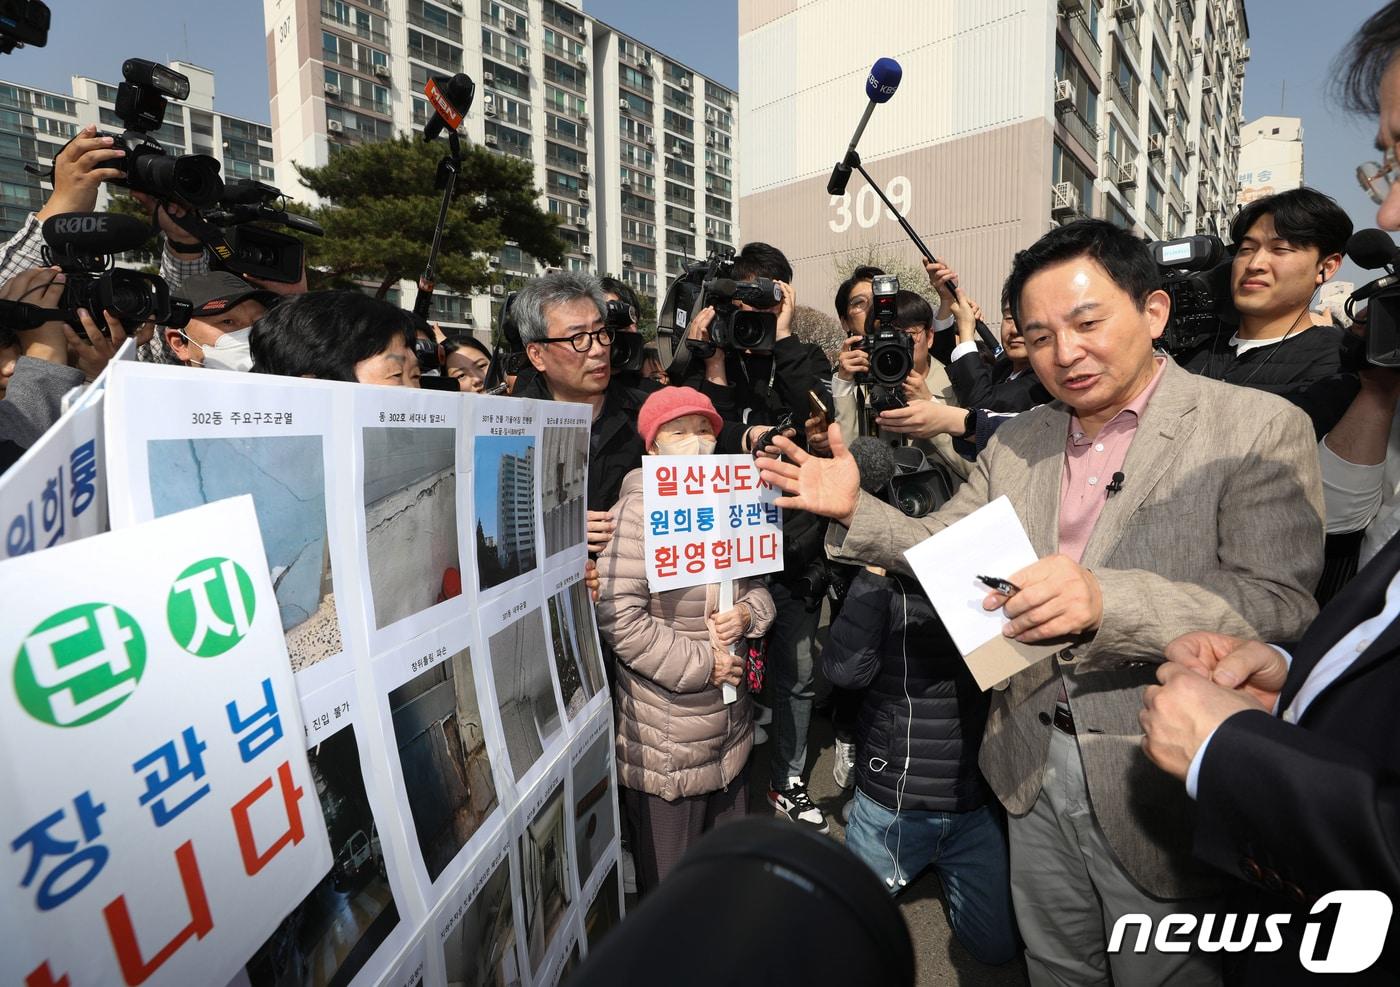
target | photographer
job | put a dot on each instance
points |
(1092, 830)
(629, 359)
(561, 318)
(1286, 247)
(217, 336)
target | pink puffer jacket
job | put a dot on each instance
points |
(676, 737)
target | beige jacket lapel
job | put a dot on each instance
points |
(1161, 435)
(1038, 496)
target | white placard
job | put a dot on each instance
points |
(707, 519)
(164, 818)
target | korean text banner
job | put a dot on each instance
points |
(707, 519)
(159, 816)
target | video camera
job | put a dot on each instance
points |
(250, 250)
(890, 348)
(82, 245)
(1373, 250)
(23, 22)
(918, 487)
(189, 179)
(627, 346)
(1196, 274)
(710, 282)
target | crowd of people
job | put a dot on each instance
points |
(1186, 508)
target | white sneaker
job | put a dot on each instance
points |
(844, 769)
(797, 805)
(629, 873)
(760, 735)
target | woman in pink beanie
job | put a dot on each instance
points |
(681, 750)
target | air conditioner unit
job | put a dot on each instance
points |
(455, 4)
(1064, 93)
(524, 65)
(709, 186)
(489, 109)
(1197, 46)
(1207, 84)
(583, 170)
(651, 142)
(626, 183)
(581, 61)
(489, 99)
(692, 227)
(583, 119)
(498, 290)
(1234, 140)
(1125, 10)
(586, 250)
(382, 71)
(1156, 144)
(709, 140)
(332, 90)
(1068, 8)
(1190, 148)
(685, 82)
(489, 78)
(492, 140)
(512, 28)
(335, 126)
(1127, 175)
(1244, 53)
(582, 30)
(583, 195)
(1064, 199)
(623, 105)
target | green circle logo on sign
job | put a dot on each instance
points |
(210, 607)
(80, 664)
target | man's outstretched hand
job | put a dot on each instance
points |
(827, 487)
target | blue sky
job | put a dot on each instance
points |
(486, 460)
(1293, 42)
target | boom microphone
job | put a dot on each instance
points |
(875, 462)
(1372, 249)
(451, 101)
(879, 87)
(94, 233)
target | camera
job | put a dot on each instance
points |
(918, 487)
(890, 348)
(250, 250)
(23, 22)
(1380, 346)
(189, 179)
(1196, 274)
(710, 282)
(82, 245)
(627, 346)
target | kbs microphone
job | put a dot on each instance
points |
(1372, 249)
(451, 100)
(78, 233)
(879, 86)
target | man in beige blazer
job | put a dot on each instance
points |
(1215, 521)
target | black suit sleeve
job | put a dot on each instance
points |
(972, 380)
(799, 367)
(1319, 814)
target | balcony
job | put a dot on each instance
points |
(1084, 38)
(552, 17)
(574, 163)
(1159, 90)
(637, 207)
(644, 239)
(433, 58)
(574, 140)
(330, 20)
(512, 27)
(559, 109)
(684, 104)
(1126, 101)
(361, 65)
(574, 80)
(1086, 133)
(442, 30)
(521, 62)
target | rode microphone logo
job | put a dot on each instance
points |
(79, 223)
(1344, 932)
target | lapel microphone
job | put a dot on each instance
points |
(1114, 486)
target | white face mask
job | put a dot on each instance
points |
(230, 352)
(689, 445)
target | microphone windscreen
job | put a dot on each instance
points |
(1372, 249)
(883, 80)
(875, 461)
(95, 232)
(461, 90)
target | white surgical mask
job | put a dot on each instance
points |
(230, 352)
(689, 445)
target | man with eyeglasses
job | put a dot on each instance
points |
(561, 322)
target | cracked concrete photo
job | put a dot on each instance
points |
(410, 489)
(285, 474)
(564, 465)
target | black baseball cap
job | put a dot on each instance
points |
(219, 291)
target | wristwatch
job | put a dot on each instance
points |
(185, 249)
(970, 424)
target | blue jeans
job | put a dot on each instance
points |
(967, 849)
(791, 673)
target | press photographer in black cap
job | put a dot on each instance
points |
(225, 308)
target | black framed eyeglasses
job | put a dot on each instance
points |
(582, 342)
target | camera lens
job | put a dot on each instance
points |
(131, 300)
(913, 501)
(891, 365)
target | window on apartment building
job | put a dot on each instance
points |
(640, 180)
(1086, 98)
(1159, 68)
(681, 170)
(559, 181)
(1065, 167)
(1178, 172)
(637, 104)
(678, 123)
(1154, 198)
(635, 78)
(1115, 214)
(1123, 74)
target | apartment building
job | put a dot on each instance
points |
(632, 150)
(1012, 115)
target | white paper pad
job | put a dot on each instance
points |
(990, 541)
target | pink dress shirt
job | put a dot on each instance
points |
(1090, 465)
